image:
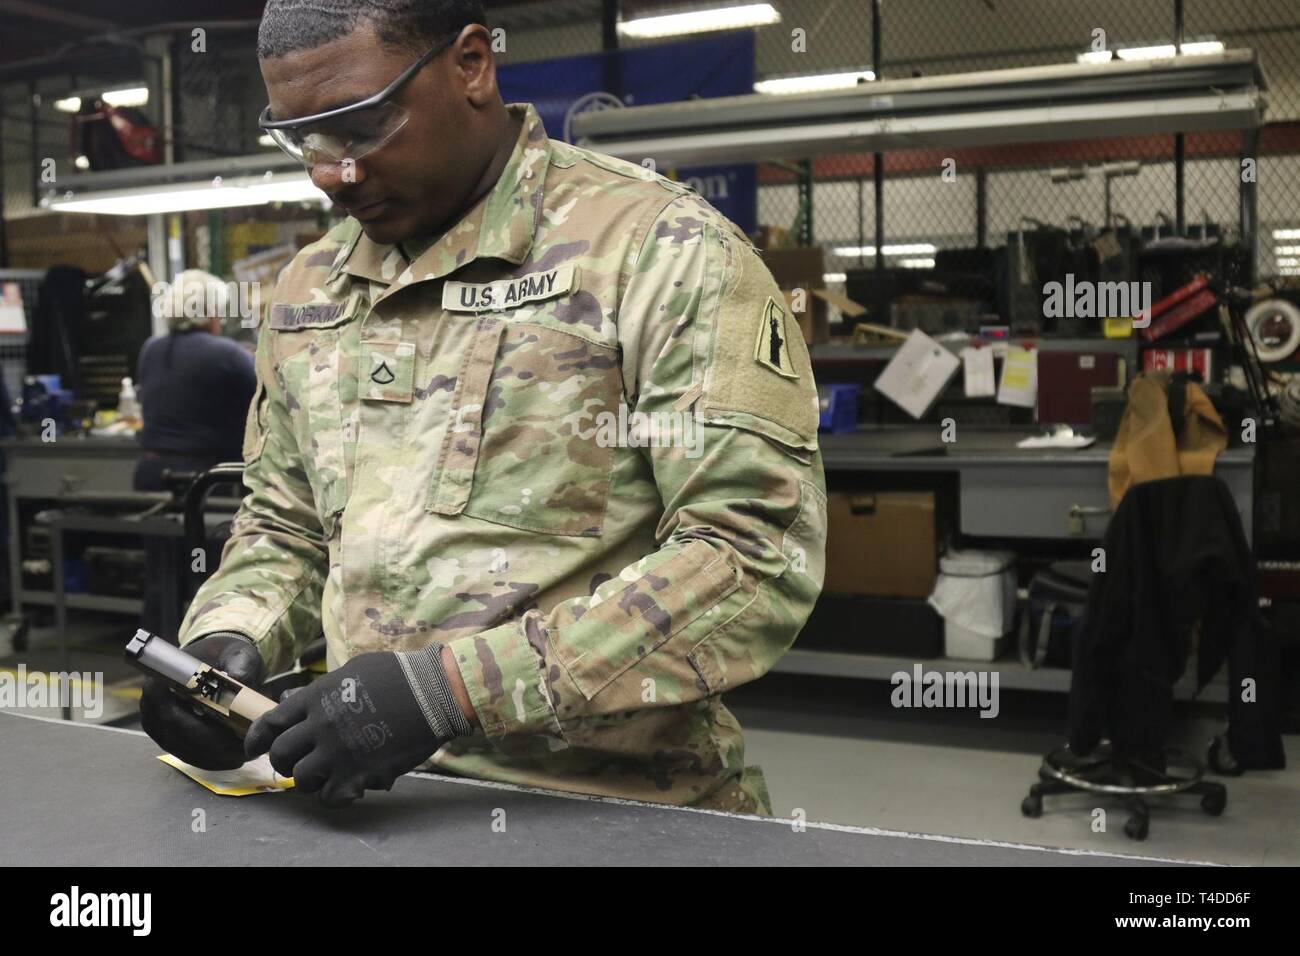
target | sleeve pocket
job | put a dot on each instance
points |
(731, 654)
(632, 623)
(255, 425)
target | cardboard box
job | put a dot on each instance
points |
(882, 544)
(802, 270)
(770, 237)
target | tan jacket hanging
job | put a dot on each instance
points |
(1146, 448)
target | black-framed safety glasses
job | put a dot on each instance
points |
(352, 131)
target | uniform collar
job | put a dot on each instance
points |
(501, 225)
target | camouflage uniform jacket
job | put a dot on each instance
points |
(433, 454)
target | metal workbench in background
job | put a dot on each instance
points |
(38, 471)
(81, 795)
(1005, 493)
(1010, 492)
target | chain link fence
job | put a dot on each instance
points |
(936, 200)
(945, 205)
(38, 150)
(933, 201)
(218, 92)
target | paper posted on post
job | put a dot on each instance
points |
(917, 373)
(13, 320)
(256, 776)
(978, 372)
(1019, 378)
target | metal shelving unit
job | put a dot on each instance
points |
(837, 352)
(1030, 104)
(86, 602)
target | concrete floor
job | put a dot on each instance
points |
(837, 750)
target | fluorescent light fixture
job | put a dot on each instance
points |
(1290, 261)
(183, 197)
(129, 96)
(916, 263)
(133, 96)
(813, 83)
(1195, 48)
(1146, 52)
(1060, 102)
(1286, 250)
(902, 249)
(1286, 233)
(700, 21)
(835, 277)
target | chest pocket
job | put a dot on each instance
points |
(522, 448)
(311, 377)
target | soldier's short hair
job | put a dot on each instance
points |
(290, 25)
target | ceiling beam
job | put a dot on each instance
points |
(43, 12)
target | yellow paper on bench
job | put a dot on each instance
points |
(256, 776)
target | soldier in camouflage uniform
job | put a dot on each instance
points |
(429, 465)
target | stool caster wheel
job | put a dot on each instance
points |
(1213, 801)
(1137, 827)
(1032, 805)
(18, 626)
(1221, 760)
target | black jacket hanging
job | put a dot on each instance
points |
(1175, 554)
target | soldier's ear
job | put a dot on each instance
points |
(476, 65)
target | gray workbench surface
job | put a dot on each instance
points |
(920, 448)
(121, 446)
(76, 794)
(1009, 492)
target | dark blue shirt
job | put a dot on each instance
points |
(195, 389)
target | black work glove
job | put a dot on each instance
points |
(362, 726)
(189, 730)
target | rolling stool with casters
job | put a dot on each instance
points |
(1100, 772)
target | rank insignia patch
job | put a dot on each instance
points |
(389, 370)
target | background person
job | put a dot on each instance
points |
(194, 387)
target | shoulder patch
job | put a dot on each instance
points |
(759, 375)
(772, 349)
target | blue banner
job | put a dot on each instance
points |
(663, 73)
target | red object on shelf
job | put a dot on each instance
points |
(1180, 360)
(1179, 307)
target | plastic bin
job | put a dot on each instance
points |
(976, 595)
